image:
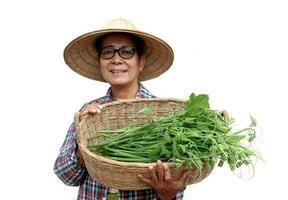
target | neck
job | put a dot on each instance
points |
(124, 92)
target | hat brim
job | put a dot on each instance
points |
(81, 56)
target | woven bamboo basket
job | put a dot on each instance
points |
(123, 175)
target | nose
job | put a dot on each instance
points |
(116, 58)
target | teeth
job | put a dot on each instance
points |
(118, 71)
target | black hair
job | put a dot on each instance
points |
(139, 43)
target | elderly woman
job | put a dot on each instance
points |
(122, 56)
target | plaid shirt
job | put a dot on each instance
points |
(68, 168)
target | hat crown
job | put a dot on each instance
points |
(120, 23)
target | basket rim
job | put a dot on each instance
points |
(142, 100)
(92, 155)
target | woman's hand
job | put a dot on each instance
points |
(91, 109)
(225, 115)
(161, 180)
(88, 109)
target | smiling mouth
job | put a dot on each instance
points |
(114, 71)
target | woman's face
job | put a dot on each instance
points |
(120, 71)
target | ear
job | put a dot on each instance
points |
(141, 63)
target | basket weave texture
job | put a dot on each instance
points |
(123, 175)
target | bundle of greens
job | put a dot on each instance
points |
(196, 137)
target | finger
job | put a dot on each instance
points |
(185, 176)
(160, 171)
(83, 112)
(181, 183)
(153, 174)
(146, 180)
(87, 109)
(92, 110)
(96, 105)
(225, 115)
(95, 108)
(167, 174)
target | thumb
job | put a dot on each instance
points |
(185, 176)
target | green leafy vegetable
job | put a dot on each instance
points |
(196, 137)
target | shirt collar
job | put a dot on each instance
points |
(141, 93)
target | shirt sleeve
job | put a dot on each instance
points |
(67, 165)
(179, 196)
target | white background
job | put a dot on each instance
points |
(235, 51)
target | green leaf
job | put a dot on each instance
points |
(253, 121)
(146, 110)
(165, 152)
(182, 148)
(155, 152)
(196, 104)
(221, 162)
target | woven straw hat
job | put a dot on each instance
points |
(81, 56)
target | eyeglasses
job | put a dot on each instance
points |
(124, 52)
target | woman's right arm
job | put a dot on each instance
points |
(68, 166)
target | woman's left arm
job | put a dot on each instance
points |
(161, 180)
